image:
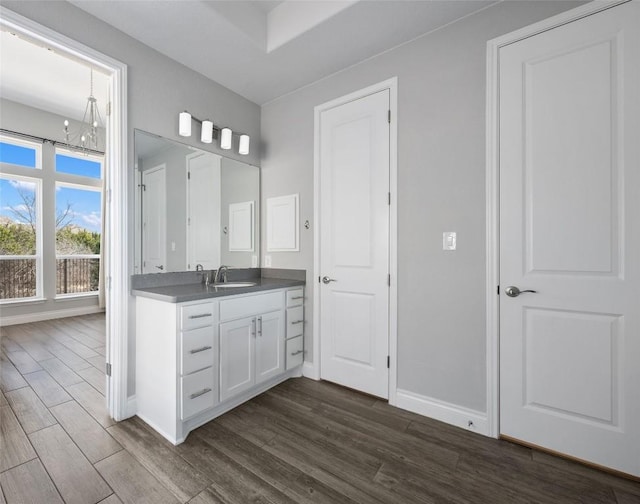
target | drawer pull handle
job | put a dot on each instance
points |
(202, 315)
(298, 297)
(297, 322)
(298, 352)
(201, 349)
(198, 394)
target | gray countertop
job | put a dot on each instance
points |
(196, 291)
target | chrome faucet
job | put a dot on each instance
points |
(221, 274)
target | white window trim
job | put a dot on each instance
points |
(21, 142)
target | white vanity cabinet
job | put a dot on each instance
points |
(251, 341)
(196, 360)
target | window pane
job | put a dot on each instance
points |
(84, 166)
(78, 221)
(17, 278)
(18, 213)
(75, 275)
(17, 155)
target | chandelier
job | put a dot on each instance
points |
(87, 135)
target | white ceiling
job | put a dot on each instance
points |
(265, 49)
(260, 49)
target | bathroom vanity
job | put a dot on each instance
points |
(203, 350)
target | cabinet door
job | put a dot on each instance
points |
(269, 345)
(237, 344)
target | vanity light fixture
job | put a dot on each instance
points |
(210, 131)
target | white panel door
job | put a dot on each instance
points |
(354, 244)
(570, 209)
(269, 345)
(154, 225)
(203, 210)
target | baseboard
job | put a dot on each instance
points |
(310, 370)
(468, 419)
(132, 407)
(49, 315)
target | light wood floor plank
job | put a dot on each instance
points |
(49, 391)
(29, 483)
(60, 372)
(16, 448)
(10, 378)
(28, 408)
(95, 442)
(95, 377)
(132, 482)
(112, 499)
(36, 350)
(70, 359)
(74, 476)
(92, 401)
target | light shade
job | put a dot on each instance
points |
(207, 132)
(184, 124)
(244, 145)
(225, 138)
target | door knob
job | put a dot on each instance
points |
(326, 279)
(513, 291)
(161, 267)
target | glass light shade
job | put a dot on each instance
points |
(184, 124)
(207, 132)
(225, 138)
(244, 145)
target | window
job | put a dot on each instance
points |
(20, 220)
(55, 193)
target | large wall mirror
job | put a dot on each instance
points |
(193, 207)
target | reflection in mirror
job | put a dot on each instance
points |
(193, 207)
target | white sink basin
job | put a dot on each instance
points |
(231, 285)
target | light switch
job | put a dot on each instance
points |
(449, 240)
(267, 261)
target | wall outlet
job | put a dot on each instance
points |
(267, 261)
(449, 240)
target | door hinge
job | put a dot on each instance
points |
(389, 279)
(188, 221)
(108, 108)
(188, 175)
(498, 290)
(108, 191)
(388, 361)
(389, 198)
(389, 117)
(108, 369)
(109, 283)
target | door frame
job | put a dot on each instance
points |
(312, 369)
(116, 258)
(163, 167)
(492, 189)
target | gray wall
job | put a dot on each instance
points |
(158, 89)
(441, 187)
(23, 119)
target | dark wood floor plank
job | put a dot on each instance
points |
(74, 476)
(625, 497)
(29, 483)
(3, 400)
(10, 378)
(95, 377)
(16, 448)
(92, 401)
(160, 458)
(131, 482)
(29, 409)
(92, 439)
(60, 372)
(49, 391)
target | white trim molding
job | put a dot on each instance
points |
(116, 194)
(492, 189)
(466, 418)
(49, 315)
(312, 369)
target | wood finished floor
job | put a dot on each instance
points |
(301, 442)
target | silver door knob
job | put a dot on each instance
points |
(513, 291)
(326, 280)
(161, 267)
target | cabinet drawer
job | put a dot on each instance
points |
(295, 352)
(295, 297)
(196, 349)
(197, 315)
(198, 393)
(295, 321)
(251, 305)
